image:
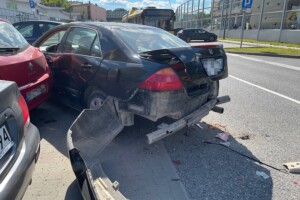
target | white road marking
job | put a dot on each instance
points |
(265, 89)
(266, 62)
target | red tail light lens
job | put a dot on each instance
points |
(163, 80)
(24, 108)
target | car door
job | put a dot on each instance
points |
(81, 50)
(200, 34)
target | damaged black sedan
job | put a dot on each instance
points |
(150, 72)
(118, 70)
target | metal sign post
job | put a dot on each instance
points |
(243, 27)
(245, 5)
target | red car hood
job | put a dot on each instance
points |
(24, 67)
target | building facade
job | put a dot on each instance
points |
(89, 12)
(270, 20)
(115, 15)
(20, 10)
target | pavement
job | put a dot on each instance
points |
(253, 44)
(265, 107)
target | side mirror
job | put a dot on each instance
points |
(51, 48)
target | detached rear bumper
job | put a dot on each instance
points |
(188, 120)
(93, 130)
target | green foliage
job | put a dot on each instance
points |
(265, 50)
(56, 3)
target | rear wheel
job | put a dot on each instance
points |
(211, 38)
(188, 39)
(95, 100)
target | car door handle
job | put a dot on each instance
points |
(86, 66)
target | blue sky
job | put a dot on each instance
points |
(128, 4)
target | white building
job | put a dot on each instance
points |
(20, 10)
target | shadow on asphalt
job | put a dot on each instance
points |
(53, 121)
(214, 172)
(73, 192)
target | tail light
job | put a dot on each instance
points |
(24, 108)
(163, 80)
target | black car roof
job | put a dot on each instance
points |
(110, 25)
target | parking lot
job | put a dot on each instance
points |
(182, 164)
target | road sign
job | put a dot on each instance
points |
(31, 4)
(247, 4)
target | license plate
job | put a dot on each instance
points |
(35, 92)
(5, 141)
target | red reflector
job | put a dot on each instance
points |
(163, 80)
(24, 108)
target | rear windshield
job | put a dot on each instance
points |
(10, 37)
(148, 39)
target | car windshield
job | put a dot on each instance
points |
(10, 37)
(149, 39)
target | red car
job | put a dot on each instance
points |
(24, 64)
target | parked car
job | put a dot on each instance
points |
(32, 30)
(19, 143)
(91, 61)
(196, 34)
(176, 30)
(24, 64)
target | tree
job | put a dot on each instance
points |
(56, 3)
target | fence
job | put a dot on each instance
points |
(16, 16)
(224, 17)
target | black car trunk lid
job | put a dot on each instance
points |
(187, 65)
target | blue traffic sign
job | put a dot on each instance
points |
(247, 4)
(31, 4)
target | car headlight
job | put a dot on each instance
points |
(213, 66)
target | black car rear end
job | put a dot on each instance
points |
(19, 143)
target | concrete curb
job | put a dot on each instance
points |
(258, 45)
(264, 54)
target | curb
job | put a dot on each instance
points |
(258, 44)
(264, 54)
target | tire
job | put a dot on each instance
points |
(188, 39)
(212, 39)
(95, 100)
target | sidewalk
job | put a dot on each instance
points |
(250, 44)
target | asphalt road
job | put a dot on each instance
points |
(265, 106)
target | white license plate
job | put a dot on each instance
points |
(5, 141)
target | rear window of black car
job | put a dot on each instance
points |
(10, 37)
(148, 39)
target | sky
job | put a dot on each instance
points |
(128, 4)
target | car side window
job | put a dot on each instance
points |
(79, 41)
(96, 48)
(25, 29)
(111, 51)
(53, 39)
(44, 27)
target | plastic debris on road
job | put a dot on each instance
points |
(293, 167)
(262, 174)
(227, 144)
(199, 126)
(246, 137)
(223, 136)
